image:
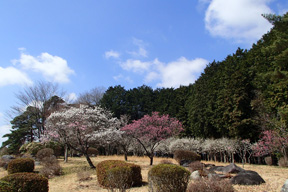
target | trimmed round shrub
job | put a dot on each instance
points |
(166, 161)
(57, 147)
(21, 165)
(50, 164)
(6, 186)
(184, 155)
(51, 170)
(168, 178)
(210, 185)
(42, 153)
(118, 174)
(5, 159)
(27, 182)
(196, 166)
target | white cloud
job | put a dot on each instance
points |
(141, 52)
(13, 76)
(53, 68)
(4, 129)
(181, 72)
(172, 74)
(136, 65)
(151, 76)
(239, 20)
(113, 54)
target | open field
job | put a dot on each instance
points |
(69, 182)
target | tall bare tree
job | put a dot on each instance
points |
(37, 96)
(91, 97)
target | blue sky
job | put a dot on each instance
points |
(93, 43)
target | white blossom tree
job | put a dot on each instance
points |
(79, 128)
(245, 147)
(189, 144)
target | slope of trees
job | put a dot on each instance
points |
(238, 97)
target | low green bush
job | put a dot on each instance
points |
(27, 182)
(118, 174)
(184, 155)
(21, 165)
(6, 186)
(31, 148)
(168, 178)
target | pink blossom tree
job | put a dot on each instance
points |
(150, 130)
(272, 142)
(79, 128)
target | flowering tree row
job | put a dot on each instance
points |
(79, 128)
(83, 127)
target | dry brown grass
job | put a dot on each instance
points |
(69, 182)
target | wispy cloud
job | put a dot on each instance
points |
(239, 20)
(141, 52)
(137, 66)
(13, 76)
(121, 77)
(53, 68)
(112, 54)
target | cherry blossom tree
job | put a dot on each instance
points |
(150, 130)
(79, 128)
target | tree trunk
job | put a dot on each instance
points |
(125, 152)
(89, 161)
(66, 154)
(151, 160)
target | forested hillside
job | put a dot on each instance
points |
(238, 97)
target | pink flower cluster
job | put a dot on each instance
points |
(271, 142)
(153, 128)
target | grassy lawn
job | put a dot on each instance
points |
(69, 181)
